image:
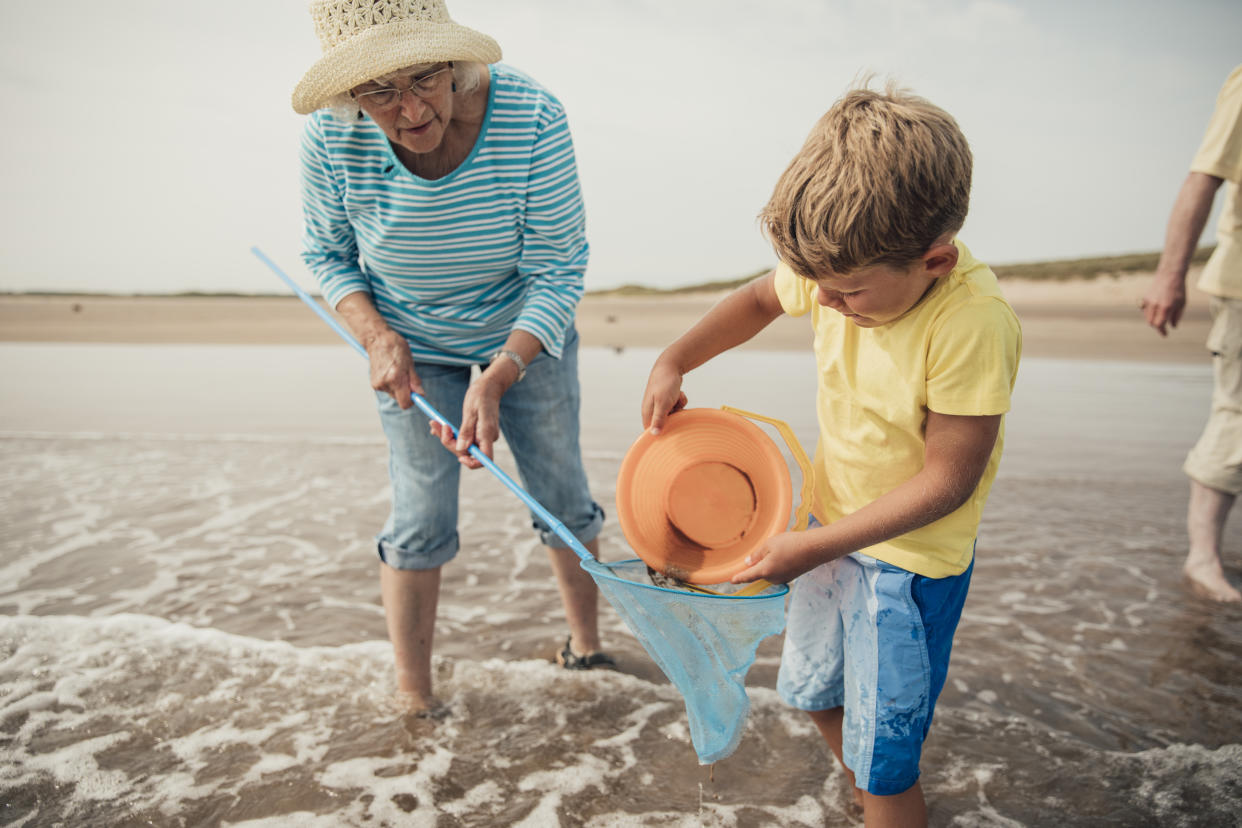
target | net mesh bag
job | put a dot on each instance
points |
(705, 644)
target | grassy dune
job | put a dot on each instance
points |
(1053, 271)
(1058, 270)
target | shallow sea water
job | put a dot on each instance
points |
(190, 630)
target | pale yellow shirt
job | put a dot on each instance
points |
(955, 352)
(1220, 155)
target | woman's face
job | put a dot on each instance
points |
(413, 106)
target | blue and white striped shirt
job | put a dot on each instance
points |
(456, 263)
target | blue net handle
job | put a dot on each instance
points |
(555, 525)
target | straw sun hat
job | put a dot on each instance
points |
(366, 39)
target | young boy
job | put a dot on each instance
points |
(917, 353)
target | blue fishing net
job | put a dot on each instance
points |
(705, 644)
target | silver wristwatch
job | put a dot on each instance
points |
(513, 355)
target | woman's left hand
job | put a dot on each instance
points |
(480, 420)
(481, 409)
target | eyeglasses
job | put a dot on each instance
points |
(423, 86)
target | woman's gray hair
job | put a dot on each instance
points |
(467, 76)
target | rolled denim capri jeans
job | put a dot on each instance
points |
(539, 422)
(1216, 459)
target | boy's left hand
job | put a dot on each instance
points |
(782, 558)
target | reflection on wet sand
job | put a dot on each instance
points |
(191, 628)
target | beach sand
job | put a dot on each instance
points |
(1085, 318)
(191, 630)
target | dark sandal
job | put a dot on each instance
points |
(571, 661)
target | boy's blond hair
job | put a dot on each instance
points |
(880, 178)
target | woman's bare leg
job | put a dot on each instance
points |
(579, 595)
(410, 598)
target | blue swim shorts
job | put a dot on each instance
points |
(875, 639)
(539, 422)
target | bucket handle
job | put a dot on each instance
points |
(803, 515)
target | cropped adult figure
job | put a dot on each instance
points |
(1214, 465)
(444, 222)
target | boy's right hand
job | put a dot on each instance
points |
(662, 397)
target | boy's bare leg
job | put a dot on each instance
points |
(410, 598)
(579, 596)
(1205, 522)
(904, 810)
(829, 724)
(907, 808)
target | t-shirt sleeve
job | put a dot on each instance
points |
(797, 295)
(1220, 154)
(973, 359)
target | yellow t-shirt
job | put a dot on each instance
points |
(955, 352)
(1220, 155)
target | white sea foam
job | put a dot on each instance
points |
(213, 695)
(149, 570)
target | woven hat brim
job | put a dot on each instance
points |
(383, 49)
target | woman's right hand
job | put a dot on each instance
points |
(392, 367)
(663, 395)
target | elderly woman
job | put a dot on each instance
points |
(444, 222)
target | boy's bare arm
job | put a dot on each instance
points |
(735, 319)
(956, 455)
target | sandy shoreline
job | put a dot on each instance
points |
(1088, 319)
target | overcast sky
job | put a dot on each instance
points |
(150, 143)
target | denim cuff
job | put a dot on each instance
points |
(400, 558)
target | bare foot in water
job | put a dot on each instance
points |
(419, 706)
(1206, 578)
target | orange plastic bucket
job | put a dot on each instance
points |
(699, 497)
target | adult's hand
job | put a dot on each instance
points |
(392, 367)
(1164, 301)
(480, 410)
(480, 418)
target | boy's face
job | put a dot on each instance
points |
(878, 294)
(875, 295)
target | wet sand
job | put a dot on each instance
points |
(1084, 318)
(190, 624)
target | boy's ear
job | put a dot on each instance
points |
(940, 259)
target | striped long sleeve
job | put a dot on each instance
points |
(453, 264)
